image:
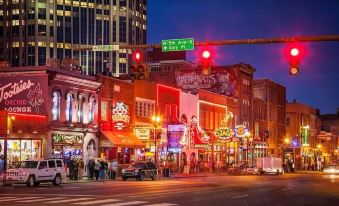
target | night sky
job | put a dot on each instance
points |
(318, 81)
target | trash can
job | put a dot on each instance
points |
(166, 172)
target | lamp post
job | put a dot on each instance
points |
(156, 122)
(286, 143)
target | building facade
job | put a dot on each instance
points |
(33, 32)
(274, 96)
(55, 113)
(302, 127)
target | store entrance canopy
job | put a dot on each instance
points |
(119, 139)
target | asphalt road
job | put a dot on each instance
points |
(296, 189)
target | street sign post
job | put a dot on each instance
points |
(177, 44)
(105, 47)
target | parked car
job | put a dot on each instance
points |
(140, 170)
(331, 169)
(242, 169)
(250, 170)
(33, 172)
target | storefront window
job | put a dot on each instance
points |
(19, 150)
(81, 108)
(91, 103)
(69, 101)
(56, 105)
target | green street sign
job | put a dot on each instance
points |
(105, 48)
(177, 44)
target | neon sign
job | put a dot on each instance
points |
(120, 116)
(224, 132)
(240, 131)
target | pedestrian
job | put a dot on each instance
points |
(71, 165)
(114, 168)
(2, 164)
(102, 170)
(91, 168)
(76, 169)
(97, 169)
(105, 169)
(81, 168)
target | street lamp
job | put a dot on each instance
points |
(156, 123)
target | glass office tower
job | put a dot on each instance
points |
(32, 31)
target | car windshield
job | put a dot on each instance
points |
(28, 164)
(138, 165)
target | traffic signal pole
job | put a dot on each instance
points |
(321, 38)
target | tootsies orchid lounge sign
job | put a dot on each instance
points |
(24, 94)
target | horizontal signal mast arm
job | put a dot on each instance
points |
(239, 41)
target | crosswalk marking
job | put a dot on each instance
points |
(3, 199)
(126, 203)
(69, 200)
(15, 198)
(42, 199)
(162, 204)
(96, 202)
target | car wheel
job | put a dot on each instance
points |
(30, 181)
(153, 176)
(36, 184)
(57, 180)
(124, 178)
(142, 176)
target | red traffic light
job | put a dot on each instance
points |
(206, 54)
(294, 52)
(137, 56)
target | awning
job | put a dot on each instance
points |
(120, 139)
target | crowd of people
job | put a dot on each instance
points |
(95, 169)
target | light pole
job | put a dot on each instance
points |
(286, 142)
(156, 123)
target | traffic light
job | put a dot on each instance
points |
(294, 61)
(206, 57)
(139, 70)
(294, 53)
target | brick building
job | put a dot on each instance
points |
(274, 96)
(55, 110)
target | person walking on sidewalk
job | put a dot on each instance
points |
(97, 169)
(114, 168)
(71, 165)
(90, 169)
(76, 169)
(102, 170)
(81, 168)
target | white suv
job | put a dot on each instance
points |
(32, 172)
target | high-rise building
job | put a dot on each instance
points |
(33, 31)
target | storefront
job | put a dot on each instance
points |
(19, 149)
(175, 135)
(122, 146)
(69, 145)
(24, 97)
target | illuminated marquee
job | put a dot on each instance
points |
(24, 94)
(120, 116)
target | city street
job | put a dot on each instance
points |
(288, 189)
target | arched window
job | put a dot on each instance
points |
(69, 103)
(56, 105)
(91, 103)
(81, 100)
